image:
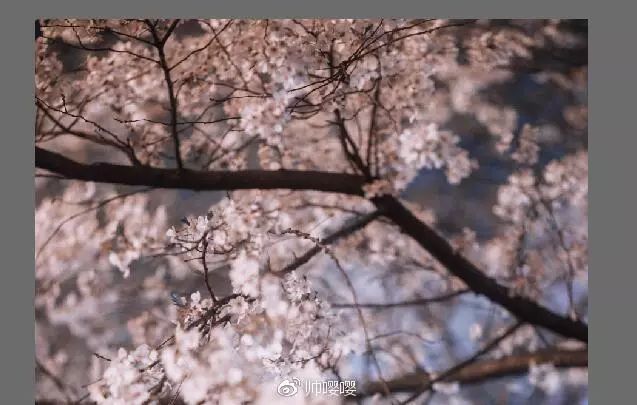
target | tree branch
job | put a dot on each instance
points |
(199, 180)
(348, 229)
(512, 365)
(523, 308)
(163, 63)
(408, 303)
(465, 363)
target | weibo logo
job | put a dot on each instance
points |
(288, 388)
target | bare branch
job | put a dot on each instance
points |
(159, 44)
(409, 303)
(350, 228)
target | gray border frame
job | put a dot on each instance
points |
(611, 196)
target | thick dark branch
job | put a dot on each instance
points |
(513, 365)
(199, 180)
(170, 30)
(523, 308)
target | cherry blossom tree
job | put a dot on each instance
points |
(223, 205)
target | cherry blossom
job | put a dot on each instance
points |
(226, 204)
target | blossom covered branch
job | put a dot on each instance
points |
(436, 245)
